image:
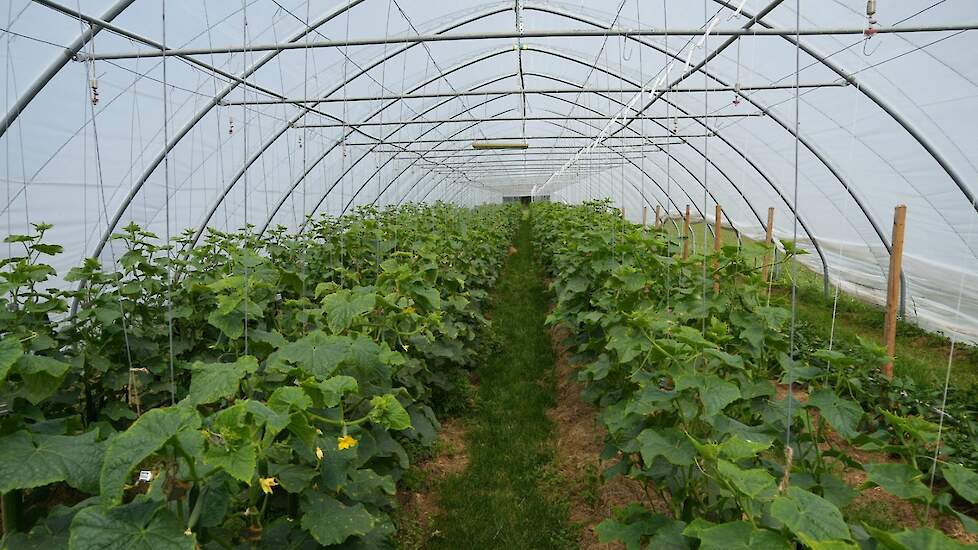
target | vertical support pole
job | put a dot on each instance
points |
(717, 244)
(768, 239)
(686, 234)
(658, 216)
(645, 217)
(622, 210)
(893, 285)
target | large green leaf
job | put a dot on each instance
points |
(288, 398)
(738, 448)
(295, 478)
(32, 460)
(923, 538)
(388, 412)
(740, 535)
(232, 445)
(317, 353)
(334, 388)
(809, 516)
(42, 376)
(964, 481)
(668, 443)
(343, 306)
(755, 483)
(212, 382)
(144, 437)
(902, 480)
(630, 525)
(842, 414)
(141, 525)
(715, 392)
(10, 352)
(330, 521)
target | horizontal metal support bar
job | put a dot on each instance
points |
(537, 91)
(557, 33)
(647, 139)
(518, 119)
(590, 166)
(533, 150)
(539, 155)
(512, 161)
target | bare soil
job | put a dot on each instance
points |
(897, 510)
(419, 507)
(578, 445)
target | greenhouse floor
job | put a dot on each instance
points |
(524, 470)
(507, 495)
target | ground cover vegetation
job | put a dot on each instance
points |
(510, 495)
(254, 391)
(745, 433)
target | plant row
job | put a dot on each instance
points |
(255, 390)
(739, 440)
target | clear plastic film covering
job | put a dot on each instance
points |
(263, 112)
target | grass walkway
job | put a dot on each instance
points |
(505, 498)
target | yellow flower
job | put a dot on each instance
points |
(408, 310)
(319, 453)
(267, 483)
(346, 442)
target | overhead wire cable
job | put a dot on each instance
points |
(244, 154)
(166, 190)
(99, 175)
(794, 243)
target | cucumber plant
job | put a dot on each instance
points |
(739, 440)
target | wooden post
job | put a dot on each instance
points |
(893, 285)
(622, 210)
(686, 234)
(768, 239)
(658, 216)
(717, 244)
(645, 217)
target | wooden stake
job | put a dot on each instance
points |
(686, 235)
(769, 239)
(645, 217)
(893, 285)
(717, 244)
(658, 216)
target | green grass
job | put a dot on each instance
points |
(508, 497)
(920, 355)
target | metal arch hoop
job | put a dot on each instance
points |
(59, 63)
(179, 135)
(773, 116)
(931, 149)
(268, 143)
(926, 144)
(763, 175)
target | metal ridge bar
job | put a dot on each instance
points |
(518, 119)
(555, 33)
(55, 66)
(647, 139)
(429, 95)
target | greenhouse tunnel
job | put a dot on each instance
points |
(268, 112)
(495, 164)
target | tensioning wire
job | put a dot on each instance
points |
(105, 211)
(794, 235)
(166, 190)
(244, 182)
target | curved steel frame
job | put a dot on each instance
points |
(82, 39)
(574, 59)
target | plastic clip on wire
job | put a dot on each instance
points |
(870, 19)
